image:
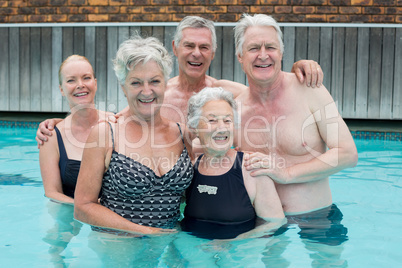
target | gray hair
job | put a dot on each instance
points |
(195, 22)
(256, 20)
(208, 94)
(141, 50)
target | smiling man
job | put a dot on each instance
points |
(287, 124)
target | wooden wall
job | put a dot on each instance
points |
(362, 65)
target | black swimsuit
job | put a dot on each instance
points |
(135, 192)
(69, 168)
(218, 206)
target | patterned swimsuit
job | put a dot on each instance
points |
(136, 193)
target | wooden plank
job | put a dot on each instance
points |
(57, 59)
(136, 30)
(397, 101)
(124, 34)
(373, 111)
(68, 50)
(168, 38)
(25, 103)
(4, 70)
(35, 69)
(362, 76)
(387, 73)
(158, 32)
(228, 53)
(313, 45)
(215, 69)
(46, 70)
(101, 66)
(326, 55)
(79, 40)
(90, 33)
(349, 82)
(289, 35)
(14, 82)
(301, 44)
(112, 84)
(337, 66)
(146, 31)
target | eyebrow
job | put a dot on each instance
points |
(193, 43)
(227, 115)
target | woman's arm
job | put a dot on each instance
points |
(49, 167)
(45, 130)
(87, 209)
(267, 205)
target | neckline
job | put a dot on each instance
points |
(150, 169)
(237, 156)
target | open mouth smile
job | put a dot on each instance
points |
(194, 63)
(147, 101)
(263, 65)
(80, 94)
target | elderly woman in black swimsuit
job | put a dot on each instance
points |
(224, 201)
(140, 164)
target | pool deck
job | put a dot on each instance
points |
(353, 124)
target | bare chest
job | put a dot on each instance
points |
(284, 130)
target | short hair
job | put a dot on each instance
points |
(256, 20)
(74, 57)
(195, 22)
(137, 50)
(197, 101)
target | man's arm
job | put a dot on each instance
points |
(309, 71)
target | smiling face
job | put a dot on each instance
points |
(215, 128)
(194, 52)
(78, 83)
(144, 89)
(261, 59)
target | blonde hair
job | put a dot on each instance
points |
(74, 57)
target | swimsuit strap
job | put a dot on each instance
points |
(111, 129)
(62, 149)
(181, 134)
(197, 162)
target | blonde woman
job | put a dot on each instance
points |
(60, 158)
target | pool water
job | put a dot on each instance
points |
(36, 232)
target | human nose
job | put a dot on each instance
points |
(222, 125)
(196, 51)
(80, 83)
(263, 55)
(147, 90)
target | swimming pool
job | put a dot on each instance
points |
(38, 233)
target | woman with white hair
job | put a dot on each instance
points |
(223, 200)
(140, 164)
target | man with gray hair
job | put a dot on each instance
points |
(288, 125)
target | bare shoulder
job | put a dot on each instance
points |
(234, 87)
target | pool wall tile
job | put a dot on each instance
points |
(361, 135)
(376, 135)
(21, 124)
